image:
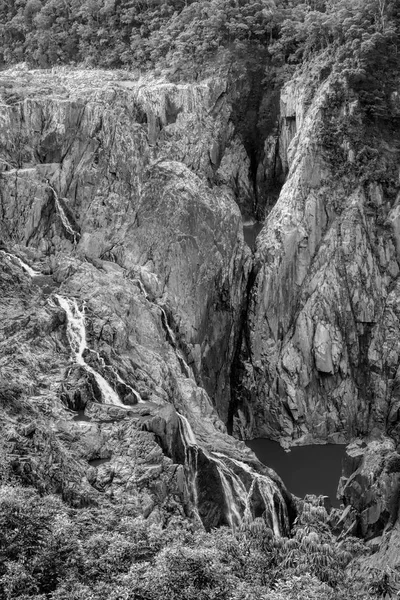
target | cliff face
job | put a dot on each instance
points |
(128, 197)
(320, 348)
(130, 165)
(109, 191)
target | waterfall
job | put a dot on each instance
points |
(120, 380)
(237, 497)
(141, 286)
(172, 340)
(191, 454)
(231, 499)
(64, 219)
(116, 375)
(31, 272)
(269, 491)
(189, 438)
(76, 333)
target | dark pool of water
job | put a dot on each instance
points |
(80, 416)
(98, 461)
(305, 469)
(251, 232)
(46, 283)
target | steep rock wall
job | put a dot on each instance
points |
(107, 190)
(130, 164)
(320, 351)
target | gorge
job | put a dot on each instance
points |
(159, 307)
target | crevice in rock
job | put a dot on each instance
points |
(242, 347)
(256, 119)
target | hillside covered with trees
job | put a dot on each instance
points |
(48, 550)
(188, 38)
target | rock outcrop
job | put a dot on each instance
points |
(371, 485)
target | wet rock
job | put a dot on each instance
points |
(135, 217)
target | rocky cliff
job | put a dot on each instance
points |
(139, 324)
(123, 272)
(319, 357)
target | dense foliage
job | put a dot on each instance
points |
(362, 35)
(48, 550)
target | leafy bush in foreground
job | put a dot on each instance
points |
(48, 550)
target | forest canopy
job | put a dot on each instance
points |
(179, 34)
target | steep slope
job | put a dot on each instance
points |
(106, 191)
(320, 347)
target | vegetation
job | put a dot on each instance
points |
(362, 35)
(48, 550)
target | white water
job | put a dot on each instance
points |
(268, 491)
(234, 492)
(76, 333)
(119, 378)
(191, 452)
(237, 498)
(189, 438)
(233, 512)
(117, 375)
(188, 371)
(63, 216)
(141, 286)
(31, 272)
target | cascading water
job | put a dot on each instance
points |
(237, 497)
(172, 340)
(268, 491)
(231, 501)
(76, 333)
(64, 219)
(191, 454)
(120, 380)
(117, 376)
(141, 287)
(31, 272)
(170, 334)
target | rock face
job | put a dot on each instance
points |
(319, 357)
(127, 197)
(110, 190)
(371, 485)
(127, 167)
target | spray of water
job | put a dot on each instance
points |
(172, 340)
(237, 498)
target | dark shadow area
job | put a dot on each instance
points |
(98, 461)
(250, 233)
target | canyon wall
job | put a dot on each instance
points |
(122, 195)
(128, 197)
(319, 356)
